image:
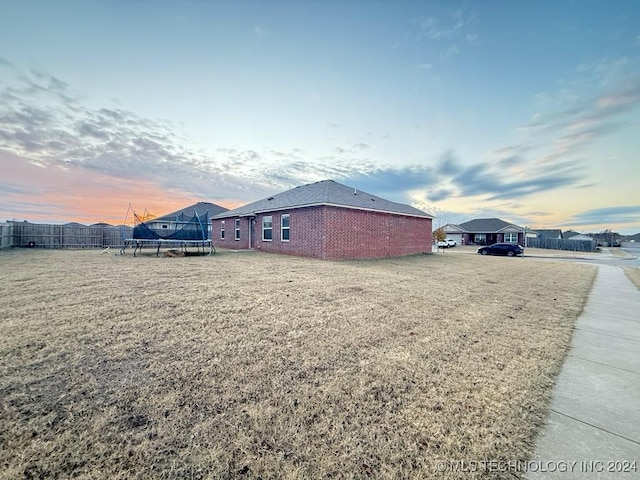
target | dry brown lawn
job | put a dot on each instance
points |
(634, 275)
(249, 365)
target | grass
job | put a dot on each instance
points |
(633, 273)
(248, 365)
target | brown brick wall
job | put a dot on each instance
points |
(306, 234)
(229, 237)
(373, 234)
(334, 233)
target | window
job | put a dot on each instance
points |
(480, 238)
(284, 227)
(165, 226)
(237, 229)
(222, 230)
(511, 237)
(267, 228)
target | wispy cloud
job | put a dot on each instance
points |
(508, 151)
(607, 216)
(606, 70)
(619, 100)
(453, 25)
(510, 177)
(392, 181)
(449, 31)
(574, 118)
(8, 188)
(482, 179)
(451, 51)
(448, 164)
(445, 216)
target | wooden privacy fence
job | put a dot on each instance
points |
(71, 235)
(562, 244)
(6, 235)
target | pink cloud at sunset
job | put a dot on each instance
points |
(60, 194)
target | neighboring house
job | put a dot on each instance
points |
(454, 232)
(174, 221)
(569, 233)
(579, 236)
(485, 231)
(607, 238)
(325, 220)
(554, 233)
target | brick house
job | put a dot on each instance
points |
(485, 231)
(325, 220)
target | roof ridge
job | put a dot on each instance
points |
(325, 192)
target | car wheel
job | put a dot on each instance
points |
(510, 253)
(484, 252)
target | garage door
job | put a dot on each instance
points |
(456, 237)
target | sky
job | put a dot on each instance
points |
(525, 111)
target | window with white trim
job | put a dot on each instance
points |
(285, 221)
(222, 230)
(480, 237)
(267, 228)
(511, 238)
(237, 229)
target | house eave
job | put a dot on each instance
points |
(449, 228)
(509, 228)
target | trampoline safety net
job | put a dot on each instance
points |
(183, 228)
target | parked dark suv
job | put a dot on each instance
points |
(508, 249)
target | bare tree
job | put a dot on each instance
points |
(441, 217)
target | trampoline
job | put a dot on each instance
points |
(186, 232)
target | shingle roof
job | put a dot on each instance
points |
(486, 225)
(188, 212)
(549, 233)
(326, 192)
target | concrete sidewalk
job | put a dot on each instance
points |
(595, 410)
